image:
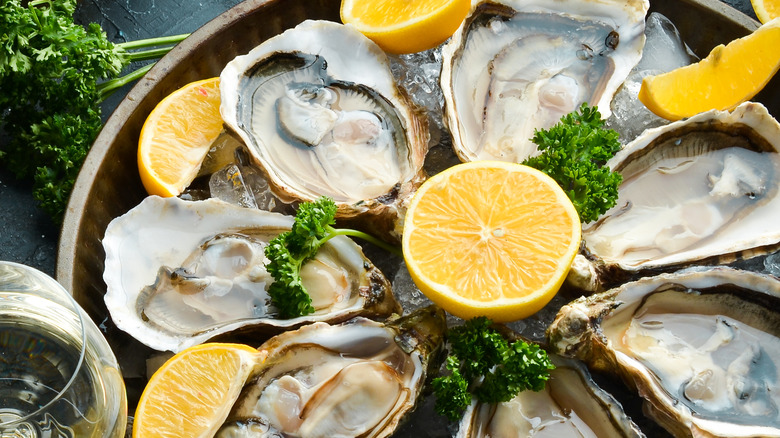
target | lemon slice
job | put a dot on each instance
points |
(728, 76)
(176, 137)
(402, 26)
(193, 392)
(491, 239)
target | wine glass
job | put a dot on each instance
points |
(58, 375)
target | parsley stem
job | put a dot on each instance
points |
(367, 237)
(107, 88)
(150, 42)
(148, 54)
(35, 3)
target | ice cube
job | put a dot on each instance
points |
(534, 327)
(418, 73)
(664, 51)
(221, 153)
(228, 185)
(258, 185)
(664, 48)
(406, 292)
(630, 117)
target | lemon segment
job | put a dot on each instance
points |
(176, 137)
(728, 76)
(401, 26)
(192, 393)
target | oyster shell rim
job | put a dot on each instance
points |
(118, 300)
(595, 272)
(384, 212)
(576, 332)
(452, 48)
(419, 335)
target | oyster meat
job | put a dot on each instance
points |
(701, 346)
(321, 114)
(570, 405)
(179, 273)
(702, 190)
(515, 66)
(354, 379)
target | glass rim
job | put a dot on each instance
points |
(44, 281)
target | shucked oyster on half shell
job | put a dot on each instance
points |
(701, 346)
(571, 405)
(179, 273)
(702, 190)
(357, 379)
(514, 66)
(320, 112)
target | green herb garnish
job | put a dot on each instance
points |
(50, 101)
(289, 251)
(481, 362)
(574, 153)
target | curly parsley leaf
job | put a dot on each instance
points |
(574, 153)
(54, 74)
(524, 366)
(483, 363)
(288, 252)
(452, 392)
(478, 346)
(62, 142)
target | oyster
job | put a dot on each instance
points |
(179, 273)
(515, 66)
(701, 346)
(570, 405)
(321, 114)
(702, 190)
(355, 379)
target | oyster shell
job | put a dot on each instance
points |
(321, 114)
(702, 190)
(179, 273)
(701, 346)
(515, 66)
(570, 405)
(354, 379)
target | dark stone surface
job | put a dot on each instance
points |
(743, 6)
(27, 235)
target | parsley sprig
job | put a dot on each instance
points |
(574, 153)
(288, 252)
(484, 364)
(54, 74)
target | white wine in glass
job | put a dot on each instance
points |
(58, 375)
